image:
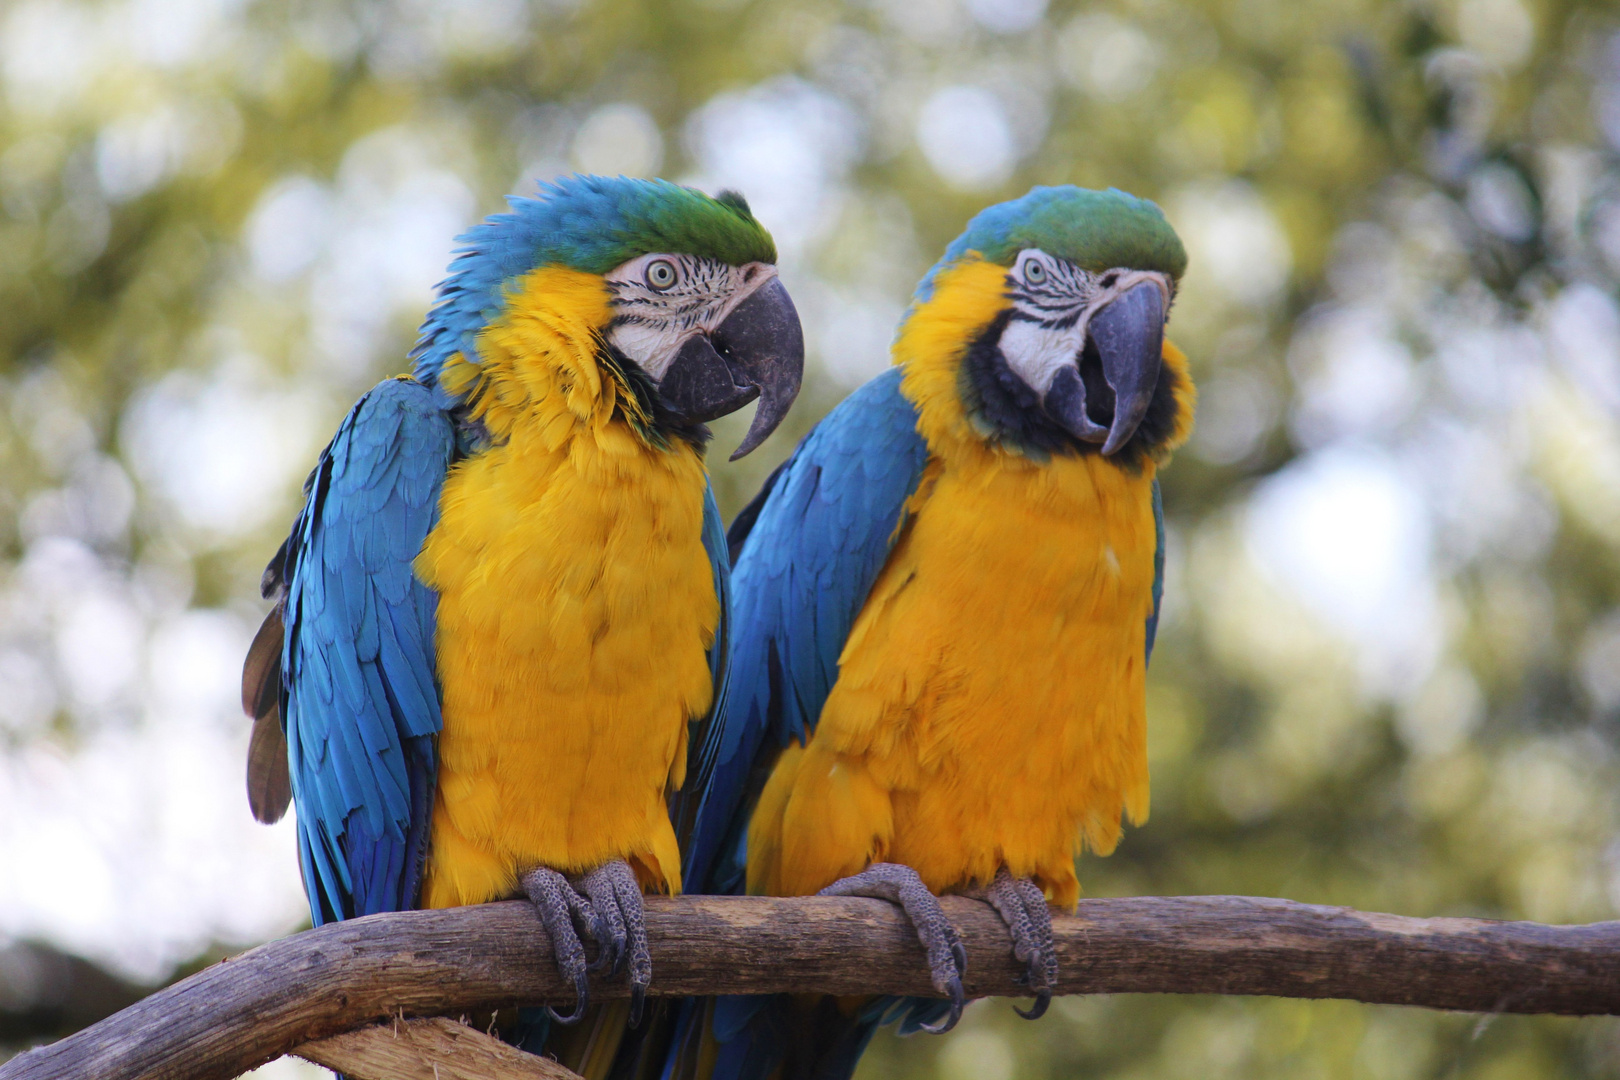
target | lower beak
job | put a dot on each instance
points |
(757, 352)
(1128, 336)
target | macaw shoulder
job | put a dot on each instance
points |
(397, 418)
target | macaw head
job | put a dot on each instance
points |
(677, 293)
(1066, 353)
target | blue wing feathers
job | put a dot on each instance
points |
(362, 706)
(832, 508)
(714, 542)
(807, 552)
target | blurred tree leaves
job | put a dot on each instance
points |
(1388, 670)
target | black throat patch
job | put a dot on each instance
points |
(656, 423)
(1004, 409)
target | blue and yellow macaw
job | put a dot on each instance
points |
(503, 603)
(943, 607)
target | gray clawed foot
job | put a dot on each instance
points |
(1022, 906)
(610, 913)
(561, 909)
(619, 927)
(947, 960)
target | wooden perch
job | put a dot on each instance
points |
(430, 1048)
(278, 997)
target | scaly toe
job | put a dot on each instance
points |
(947, 959)
(635, 923)
(616, 900)
(598, 884)
(1022, 906)
(1040, 918)
(559, 906)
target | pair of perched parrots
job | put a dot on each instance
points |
(514, 652)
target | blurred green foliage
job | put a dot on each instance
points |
(1389, 674)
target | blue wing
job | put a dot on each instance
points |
(807, 553)
(360, 698)
(1158, 567)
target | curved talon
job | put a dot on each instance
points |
(582, 999)
(640, 955)
(1022, 906)
(638, 999)
(1037, 1010)
(560, 908)
(1040, 918)
(615, 904)
(958, 1002)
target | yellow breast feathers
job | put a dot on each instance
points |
(575, 606)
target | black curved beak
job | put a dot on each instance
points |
(1128, 339)
(757, 352)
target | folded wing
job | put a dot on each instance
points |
(357, 692)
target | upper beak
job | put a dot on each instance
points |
(758, 351)
(1128, 335)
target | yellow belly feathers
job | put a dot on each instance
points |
(989, 708)
(989, 703)
(575, 607)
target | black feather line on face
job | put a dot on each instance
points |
(1007, 410)
(666, 427)
(1003, 407)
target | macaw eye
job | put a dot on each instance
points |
(1034, 272)
(660, 274)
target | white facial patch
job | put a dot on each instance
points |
(1053, 303)
(662, 301)
(1036, 353)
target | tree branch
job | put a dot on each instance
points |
(273, 999)
(428, 1049)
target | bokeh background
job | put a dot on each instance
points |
(1389, 671)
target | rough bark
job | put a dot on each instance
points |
(273, 999)
(429, 1048)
